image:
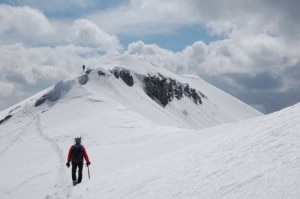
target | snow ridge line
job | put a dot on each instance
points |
(52, 142)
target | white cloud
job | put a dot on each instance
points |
(87, 33)
(241, 56)
(27, 70)
(261, 39)
(255, 68)
(31, 27)
(23, 23)
(274, 17)
(140, 48)
(48, 64)
(195, 55)
(143, 17)
(156, 55)
(6, 89)
(32, 66)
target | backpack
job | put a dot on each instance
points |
(77, 153)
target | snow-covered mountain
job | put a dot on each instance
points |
(189, 140)
(146, 90)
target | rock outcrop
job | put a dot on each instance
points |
(125, 75)
(6, 118)
(159, 88)
(83, 79)
(55, 94)
(165, 89)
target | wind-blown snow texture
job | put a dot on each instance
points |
(141, 149)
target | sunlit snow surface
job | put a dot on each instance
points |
(139, 149)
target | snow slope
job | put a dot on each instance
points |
(135, 158)
(135, 154)
(219, 107)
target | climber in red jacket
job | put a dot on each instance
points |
(76, 154)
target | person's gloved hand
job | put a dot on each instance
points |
(68, 164)
(88, 163)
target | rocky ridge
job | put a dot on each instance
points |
(158, 87)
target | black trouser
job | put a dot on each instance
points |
(74, 168)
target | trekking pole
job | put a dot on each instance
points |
(88, 172)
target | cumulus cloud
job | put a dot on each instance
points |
(23, 23)
(259, 65)
(249, 55)
(143, 17)
(31, 27)
(6, 89)
(37, 68)
(28, 63)
(33, 66)
(259, 54)
(156, 55)
(87, 33)
(226, 17)
(277, 18)
(50, 64)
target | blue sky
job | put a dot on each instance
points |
(176, 41)
(249, 49)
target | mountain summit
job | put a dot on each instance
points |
(149, 91)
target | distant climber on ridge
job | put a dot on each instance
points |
(83, 67)
(76, 154)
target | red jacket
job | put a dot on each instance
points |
(85, 155)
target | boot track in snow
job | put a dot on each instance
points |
(61, 181)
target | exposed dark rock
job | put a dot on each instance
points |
(116, 74)
(14, 109)
(124, 75)
(101, 73)
(187, 91)
(196, 97)
(83, 79)
(165, 89)
(160, 88)
(192, 93)
(41, 100)
(55, 94)
(6, 118)
(88, 71)
(127, 77)
(178, 91)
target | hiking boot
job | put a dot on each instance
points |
(75, 182)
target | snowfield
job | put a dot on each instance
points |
(139, 149)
